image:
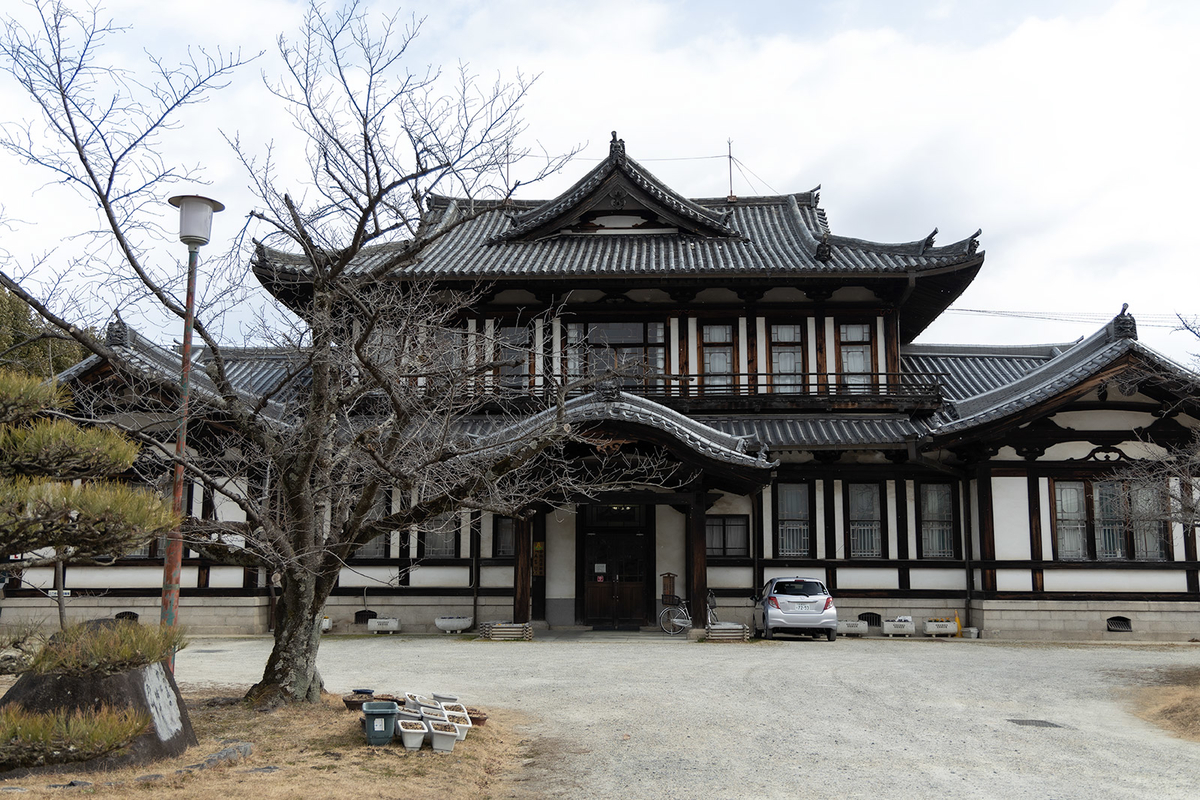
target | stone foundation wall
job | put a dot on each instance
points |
(203, 616)
(416, 614)
(1086, 620)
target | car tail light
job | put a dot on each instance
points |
(828, 603)
(774, 603)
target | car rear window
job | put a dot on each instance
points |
(802, 588)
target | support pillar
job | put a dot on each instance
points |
(523, 572)
(697, 560)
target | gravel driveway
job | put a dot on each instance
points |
(649, 717)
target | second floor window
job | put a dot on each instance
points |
(787, 358)
(438, 537)
(513, 346)
(854, 354)
(636, 350)
(716, 343)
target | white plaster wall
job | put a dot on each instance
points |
(830, 357)
(812, 353)
(225, 509)
(732, 504)
(43, 577)
(673, 345)
(764, 366)
(485, 535)
(743, 353)
(438, 576)
(934, 579)
(910, 493)
(881, 346)
(496, 577)
(1067, 451)
(839, 524)
(1014, 580)
(1114, 580)
(818, 518)
(670, 527)
(225, 577)
(146, 577)
(851, 578)
(1044, 500)
(1100, 420)
(1010, 518)
(729, 578)
(692, 349)
(892, 524)
(377, 576)
(560, 554)
(539, 345)
(768, 524)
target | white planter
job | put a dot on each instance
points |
(444, 736)
(896, 627)
(933, 628)
(460, 721)
(853, 627)
(382, 624)
(450, 706)
(419, 701)
(412, 733)
(453, 624)
(326, 624)
(446, 698)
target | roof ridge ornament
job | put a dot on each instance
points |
(616, 149)
(928, 244)
(824, 250)
(1123, 325)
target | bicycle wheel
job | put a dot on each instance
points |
(673, 620)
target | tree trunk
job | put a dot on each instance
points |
(59, 585)
(291, 674)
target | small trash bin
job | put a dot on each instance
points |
(381, 720)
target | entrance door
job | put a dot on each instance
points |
(617, 557)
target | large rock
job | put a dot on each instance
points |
(150, 688)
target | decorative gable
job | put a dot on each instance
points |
(619, 196)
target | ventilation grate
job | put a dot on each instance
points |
(361, 617)
(1035, 723)
(1120, 624)
(872, 619)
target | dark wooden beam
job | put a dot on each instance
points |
(523, 573)
(697, 545)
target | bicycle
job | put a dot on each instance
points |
(677, 616)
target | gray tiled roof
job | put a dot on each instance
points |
(965, 371)
(750, 236)
(823, 431)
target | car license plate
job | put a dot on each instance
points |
(802, 607)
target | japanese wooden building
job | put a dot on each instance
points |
(778, 364)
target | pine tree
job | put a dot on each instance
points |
(53, 492)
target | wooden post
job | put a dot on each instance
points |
(523, 573)
(697, 546)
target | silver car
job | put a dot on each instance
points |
(795, 605)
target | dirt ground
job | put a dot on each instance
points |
(1172, 703)
(315, 751)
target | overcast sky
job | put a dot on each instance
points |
(1067, 131)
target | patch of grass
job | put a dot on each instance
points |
(29, 739)
(1174, 708)
(106, 649)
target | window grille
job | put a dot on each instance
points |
(793, 527)
(872, 619)
(937, 520)
(503, 537)
(1120, 625)
(865, 521)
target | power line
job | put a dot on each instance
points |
(1145, 320)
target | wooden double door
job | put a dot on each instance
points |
(617, 567)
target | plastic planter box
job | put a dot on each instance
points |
(381, 721)
(460, 721)
(444, 736)
(898, 627)
(412, 733)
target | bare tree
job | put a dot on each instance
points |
(365, 429)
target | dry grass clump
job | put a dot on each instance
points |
(106, 649)
(1173, 708)
(315, 750)
(30, 739)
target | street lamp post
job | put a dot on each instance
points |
(195, 228)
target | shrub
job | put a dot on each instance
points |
(106, 649)
(30, 739)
